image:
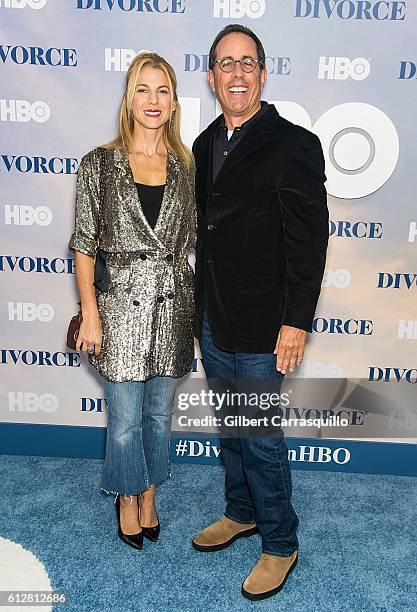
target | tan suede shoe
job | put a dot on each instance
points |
(268, 576)
(221, 534)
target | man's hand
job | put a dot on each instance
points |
(289, 348)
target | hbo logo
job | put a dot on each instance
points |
(27, 215)
(341, 68)
(24, 111)
(239, 8)
(26, 311)
(319, 369)
(32, 402)
(17, 4)
(119, 59)
(339, 278)
(360, 145)
(324, 454)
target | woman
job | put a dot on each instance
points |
(135, 211)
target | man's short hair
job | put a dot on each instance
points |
(241, 29)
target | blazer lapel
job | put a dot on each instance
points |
(204, 163)
(209, 158)
(168, 200)
(127, 185)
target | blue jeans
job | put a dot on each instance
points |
(257, 473)
(138, 434)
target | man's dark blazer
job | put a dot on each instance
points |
(262, 234)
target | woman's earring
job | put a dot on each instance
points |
(131, 120)
(172, 122)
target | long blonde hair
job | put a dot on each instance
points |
(171, 136)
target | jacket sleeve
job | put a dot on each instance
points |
(193, 204)
(87, 202)
(305, 219)
(198, 216)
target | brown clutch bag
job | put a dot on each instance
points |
(74, 330)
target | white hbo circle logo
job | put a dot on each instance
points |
(45, 313)
(40, 111)
(42, 215)
(48, 402)
(334, 370)
(359, 69)
(255, 8)
(339, 278)
(361, 148)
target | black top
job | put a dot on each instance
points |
(222, 146)
(150, 197)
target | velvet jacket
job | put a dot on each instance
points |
(262, 232)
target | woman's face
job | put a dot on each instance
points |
(152, 104)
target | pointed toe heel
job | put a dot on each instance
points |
(135, 540)
(152, 533)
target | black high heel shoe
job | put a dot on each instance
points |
(135, 540)
(150, 533)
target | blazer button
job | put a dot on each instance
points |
(135, 303)
(160, 299)
(170, 295)
(169, 257)
(210, 227)
(143, 256)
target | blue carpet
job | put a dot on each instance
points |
(357, 541)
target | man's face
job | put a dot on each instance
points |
(238, 92)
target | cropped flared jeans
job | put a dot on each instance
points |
(138, 434)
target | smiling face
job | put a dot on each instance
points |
(238, 92)
(152, 102)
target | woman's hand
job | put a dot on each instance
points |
(91, 334)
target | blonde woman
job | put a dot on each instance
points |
(135, 214)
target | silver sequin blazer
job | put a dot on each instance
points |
(147, 313)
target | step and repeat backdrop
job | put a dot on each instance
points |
(345, 69)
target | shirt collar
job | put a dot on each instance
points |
(249, 122)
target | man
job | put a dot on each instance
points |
(262, 238)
